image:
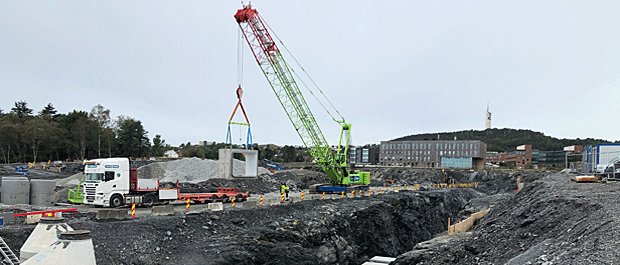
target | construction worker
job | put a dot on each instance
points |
(284, 189)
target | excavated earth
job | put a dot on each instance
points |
(550, 221)
(353, 230)
(344, 231)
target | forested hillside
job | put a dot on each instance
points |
(49, 135)
(502, 140)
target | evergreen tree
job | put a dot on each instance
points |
(132, 138)
(21, 109)
(48, 110)
(159, 146)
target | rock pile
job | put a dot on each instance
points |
(344, 231)
(192, 170)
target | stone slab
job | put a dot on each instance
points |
(167, 209)
(273, 202)
(382, 260)
(117, 214)
(250, 204)
(215, 206)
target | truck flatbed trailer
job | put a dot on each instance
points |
(110, 182)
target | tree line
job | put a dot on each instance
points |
(77, 135)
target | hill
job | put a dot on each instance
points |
(503, 140)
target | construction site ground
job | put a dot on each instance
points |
(550, 221)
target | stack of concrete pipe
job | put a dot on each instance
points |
(20, 190)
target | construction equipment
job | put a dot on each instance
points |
(7, 254)
(280, 77)
(110, 182)
(239, 92)
(77, 195)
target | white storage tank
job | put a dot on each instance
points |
(45, 233)
(15, 190)
(42, 191)
(72, 247)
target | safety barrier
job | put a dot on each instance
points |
(118, 214)
(46, 212)
(215, 206)
(249, 204)
(167, 209)
(464, 225)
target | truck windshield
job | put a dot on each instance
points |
(95, 177)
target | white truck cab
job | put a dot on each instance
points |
(104, 179)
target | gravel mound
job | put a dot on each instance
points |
(298, 180)
(192, 170)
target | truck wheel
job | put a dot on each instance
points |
(117, 201)
(149, 200)
(224, 198)
(239, 198)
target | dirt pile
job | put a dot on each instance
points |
(298, 179)
(191, 170)
(551, 221)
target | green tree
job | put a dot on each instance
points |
(159, 146)
(78, 133)
(109, 135)
(132, 138)
(13, 137)
(190, 151)
(289, 153)
(48, 110)
(36, 132)
(266, 152)
(101, 116)
(9, 138)
(21, 109)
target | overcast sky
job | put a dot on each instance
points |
(392, 68)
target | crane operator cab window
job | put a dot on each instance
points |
(109, 175)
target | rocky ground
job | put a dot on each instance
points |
(342, 231)
(551, 221)
(521, 227)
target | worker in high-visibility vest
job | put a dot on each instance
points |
(284, 189)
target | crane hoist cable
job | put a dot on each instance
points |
(239, 92)
(339, 121)
(239, 58)
(249, 141)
